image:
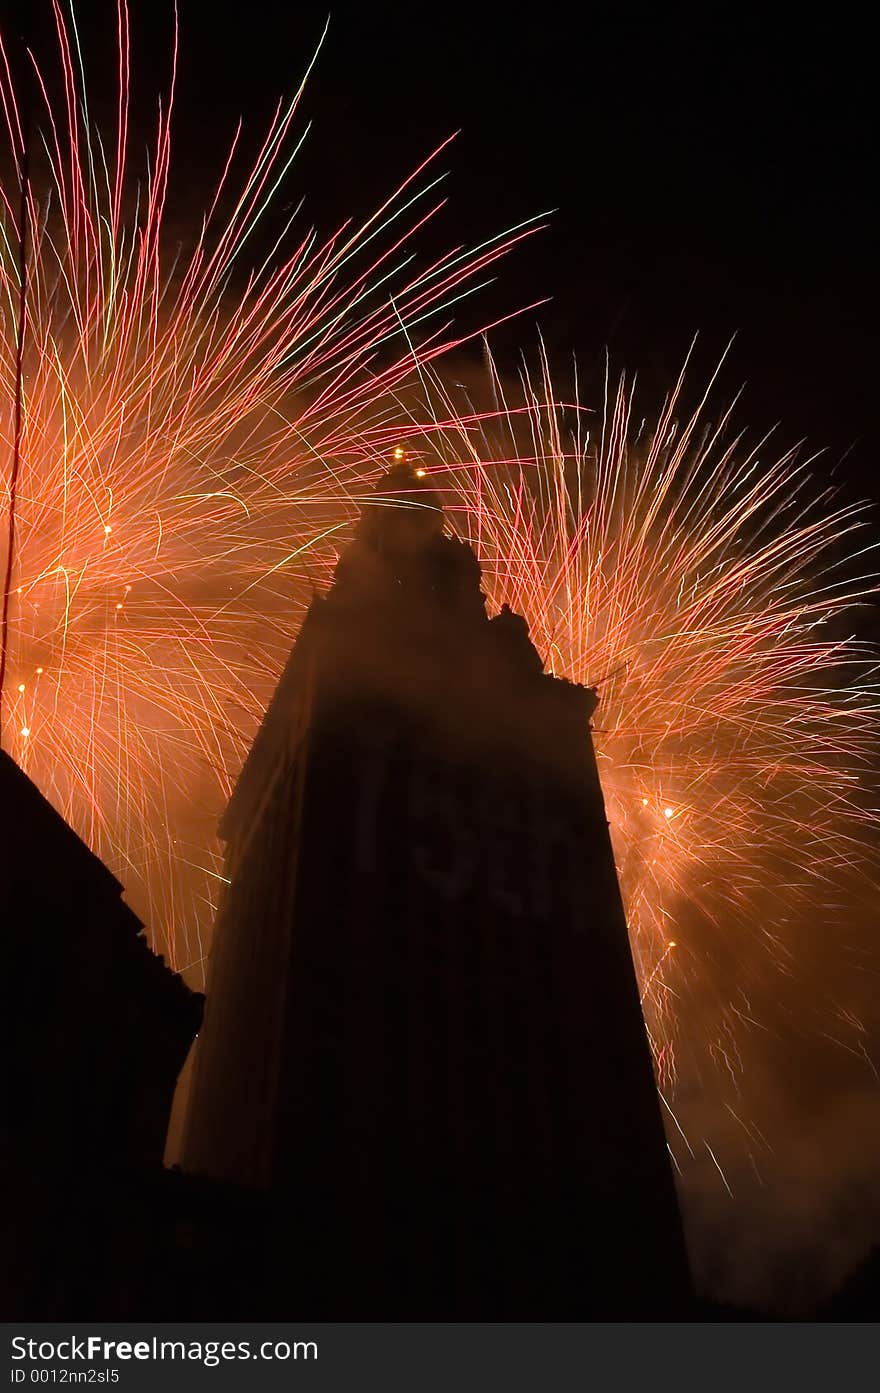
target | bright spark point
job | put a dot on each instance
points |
(420, 473)
(668, 812)
(25, 730)
(21, 686)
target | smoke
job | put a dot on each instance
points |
(797, 1220)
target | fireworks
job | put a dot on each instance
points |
(198, 430)
(193, 424)
(706, 588)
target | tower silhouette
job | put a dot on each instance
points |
(423, 1036)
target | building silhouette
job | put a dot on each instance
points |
(423, 1040)
(96, 1030)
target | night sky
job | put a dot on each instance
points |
(710, 177)
(707, 178)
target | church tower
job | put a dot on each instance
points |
(423, 1036)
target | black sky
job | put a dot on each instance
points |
(710, 175)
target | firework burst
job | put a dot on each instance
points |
(193, 422)
(707, 588)
(198, 430)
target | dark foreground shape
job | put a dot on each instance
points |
(97, 1029)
